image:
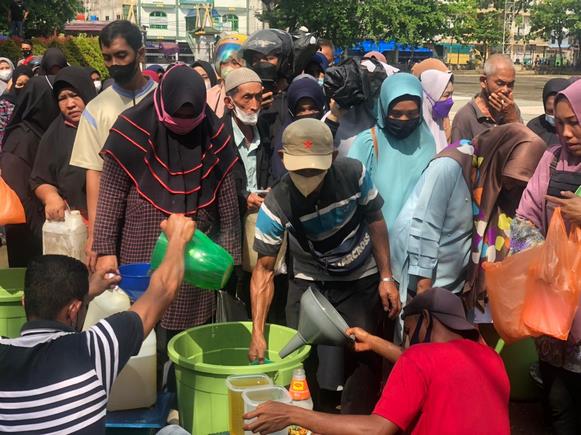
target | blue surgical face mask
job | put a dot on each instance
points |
(550, 119)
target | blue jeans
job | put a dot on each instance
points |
(17, 29)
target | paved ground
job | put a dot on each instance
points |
(528, 91)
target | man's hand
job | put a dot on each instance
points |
(257, 347)
(178, 227)
(267, 99)
(423, 285)
(55, 207)
(336, 112)
(570, 206)
(364, 341)
(504, 104)
(103, 280)
(389, 295)
(106, 263)
(253, 202)
(270, 417)
(90, 255)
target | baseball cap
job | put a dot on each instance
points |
(307, 144)
(444, 306)
(239, 77)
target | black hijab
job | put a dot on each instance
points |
(52, 57)
(54, 151)
(175, 173)
(553, 87)
(209, 70)
(12, 95)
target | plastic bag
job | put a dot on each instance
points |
(230, 308)
(554, 283)
(506, 288)
(344, 83)
(305, 46)
(11, 209)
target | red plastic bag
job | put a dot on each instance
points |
(11, 210)
(505, 285)
(553, 283)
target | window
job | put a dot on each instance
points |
(158, 20)
(230, 22)
(118, 16)
(106, 17)
(191, 20)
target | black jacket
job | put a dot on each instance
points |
(263, 156)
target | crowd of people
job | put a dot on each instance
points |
(373, 194)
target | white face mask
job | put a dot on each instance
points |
(5, 75)
(246, 118)
(307, 185)
(550, 119)
(98, 85)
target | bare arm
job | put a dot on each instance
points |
(261, 294)
(364, 341)
(93, 181)
(54, 204)
(168, 277)
(273, 416)
(380, 239)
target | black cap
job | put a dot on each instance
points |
(444, 306)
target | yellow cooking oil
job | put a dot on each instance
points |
(236, 385)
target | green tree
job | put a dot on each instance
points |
(346, 21)
(47, 17)
(556, 20)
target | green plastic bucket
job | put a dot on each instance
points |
(12, 315)
(206, 355)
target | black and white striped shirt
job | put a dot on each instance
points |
(54, 380)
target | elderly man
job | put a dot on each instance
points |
(494, 105)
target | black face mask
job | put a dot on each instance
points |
(26, 53)
(401, 128)
(123, 74)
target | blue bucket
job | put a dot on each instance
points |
(135, 279)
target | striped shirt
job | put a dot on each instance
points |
(54, 380)
(330, 220)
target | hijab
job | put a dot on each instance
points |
(304, 86)
(3, 84)
(553, 87)
(209, 70)
(51, 58)
(533, 205)
(400, 162)
(510, 150)
(54, 151)
(434, 83)
(12, 95)
(175, 173)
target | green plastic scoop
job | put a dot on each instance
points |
(207, 264)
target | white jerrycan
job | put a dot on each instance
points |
(67, 237)
(136, 385)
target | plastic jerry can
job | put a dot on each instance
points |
(136, 385)
(67, 237)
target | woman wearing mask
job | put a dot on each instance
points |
(22, 74)
(305, 100)
(207, 72)
(95, 78)
(464, 201)
(56, 183)
(35, 111)
(558, 171)
(400, 146)
(438, 89)
(544, 125)
(169, 154)
(6, 70)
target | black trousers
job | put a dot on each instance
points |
(562, 399)
(359, 373)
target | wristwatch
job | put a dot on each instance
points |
(388, 279)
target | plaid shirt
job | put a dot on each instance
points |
(128, 226)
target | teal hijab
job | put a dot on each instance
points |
(400, 162)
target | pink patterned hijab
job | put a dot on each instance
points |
(533, 205)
